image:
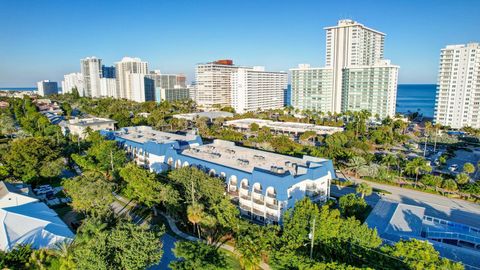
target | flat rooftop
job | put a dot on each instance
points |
(246, 159)
(90, 121)
(284, 126)
(209, 115)
(143, 134)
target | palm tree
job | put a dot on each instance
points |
(195, 215)
(364, 189)
(416, 166)
(356, 163)
(388, 160)
(468, 168)
(63, 251)
(436, 128)
(462, 178)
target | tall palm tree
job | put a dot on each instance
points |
(416, 166)
(356, 163)
(364, 189)
(436, 128)
(388, 160)
(195, 215)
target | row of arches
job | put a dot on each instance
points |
(232, 183)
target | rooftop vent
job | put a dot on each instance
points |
(243, 162)
(259, 157)
(276, 169)
(215, 155)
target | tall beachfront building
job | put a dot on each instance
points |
(46, 87)
(91, 68)
(354, 65)
(256, 89)
(72, 80)
(312, 88)
(458, 92)
(213, 85)
(169, 87)
(221, 84)
(124, 73)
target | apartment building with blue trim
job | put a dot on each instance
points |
(264, 184)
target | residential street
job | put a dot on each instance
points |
(438, 206)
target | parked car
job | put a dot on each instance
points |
(453, 167)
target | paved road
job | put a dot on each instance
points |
(435, 205)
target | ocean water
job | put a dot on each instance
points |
(416, 98)
(18, 88)
(410, 97)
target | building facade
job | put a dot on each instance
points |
(71, 81)
(142, 88)
(372, 88)
(79, 127)
(458, 89)
(170, 87)
(256, 89)
(108, 72)
(222, 84)
(172, 94)
(123, 70)
(349, 46)
(312, 88)
(213, 83)
(108, 87)
(46, 87)
(264, 184)
(91, 69)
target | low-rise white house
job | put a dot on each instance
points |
(79, 127)
(26, 220)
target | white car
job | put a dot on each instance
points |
(453, 168)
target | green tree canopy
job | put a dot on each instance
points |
(33, 158)
(123, 246)
(197, 255)
(91, 193)
(420, 255)
(353, 206)
(144, 187)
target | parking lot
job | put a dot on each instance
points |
(462, 157)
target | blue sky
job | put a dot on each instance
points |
(46, 39)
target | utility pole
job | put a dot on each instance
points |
(193, 194)
(111, 159)
(425, 148)
(313, 238)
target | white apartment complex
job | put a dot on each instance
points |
(108, 87)
(353, 52)
(72, 80)
(221, 83)
(46, 87)
(370, 87)
(140, 90)
(256, 89)
(213, 85)
(123, 69)
(458, 92)
(168, 87)
(313, 88)
(91, 68)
